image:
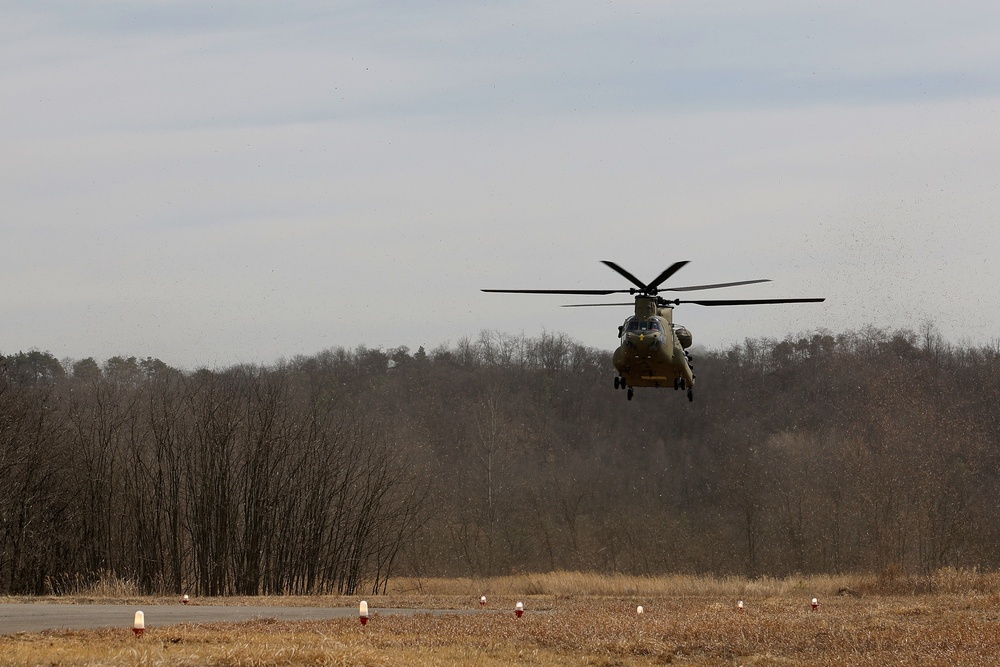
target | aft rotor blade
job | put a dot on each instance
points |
(597, 292)
(628, 276)
(671, 270)
(692, 288)
(745, 302)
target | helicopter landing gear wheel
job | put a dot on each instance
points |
(630, 393)
(617, 382)
(690, 395)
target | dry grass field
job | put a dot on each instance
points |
(951, 618)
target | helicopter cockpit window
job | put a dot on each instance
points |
(652, 325)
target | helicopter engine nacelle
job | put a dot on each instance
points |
(684, 337)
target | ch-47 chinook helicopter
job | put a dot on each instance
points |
(653, 350)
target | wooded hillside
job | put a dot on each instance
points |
(867, 451)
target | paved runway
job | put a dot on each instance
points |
(37, 617)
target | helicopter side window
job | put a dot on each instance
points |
(654, 325)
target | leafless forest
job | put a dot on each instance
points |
(868, 451)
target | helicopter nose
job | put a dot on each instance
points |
(643, 339)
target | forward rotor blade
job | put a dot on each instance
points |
(597, 292)
(591, 305)
(671, 270)
(744, 302)
(628, 276)
(692, 288)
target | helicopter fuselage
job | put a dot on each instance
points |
(651, 352)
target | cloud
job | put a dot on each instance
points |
(243, 181)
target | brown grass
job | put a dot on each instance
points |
(103, 584)
(575, 584)
(564, 626)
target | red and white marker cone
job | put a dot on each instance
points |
(139, 624)
(185, 599)
(739, 606)
(519, 609)
(482, 601)
(639, 610)
(363, 612)
(815, 604)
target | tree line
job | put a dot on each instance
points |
(246, 481)
(865, 451)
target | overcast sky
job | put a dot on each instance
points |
(244, 181)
